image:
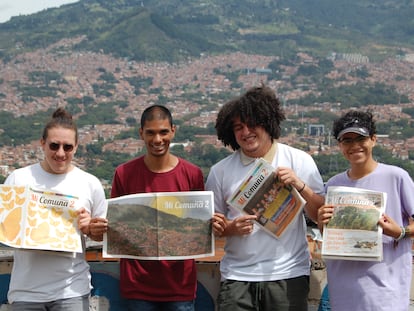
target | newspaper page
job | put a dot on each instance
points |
(261, 193)
(353, 232)
(160, 225)
(39, 219)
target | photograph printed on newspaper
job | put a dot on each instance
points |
(160, 225)
(275, 204)
(353, 232)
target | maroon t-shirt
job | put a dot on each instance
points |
(157, 280)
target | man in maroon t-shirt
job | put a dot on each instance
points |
(157, 284)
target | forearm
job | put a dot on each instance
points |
(96, 237)
(313, 201)
(404, 232)
(230, 229)
(394, 230)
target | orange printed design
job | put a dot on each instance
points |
(10, 226)
(38, 219)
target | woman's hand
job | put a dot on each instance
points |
(84, 219)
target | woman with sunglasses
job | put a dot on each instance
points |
(45, 280)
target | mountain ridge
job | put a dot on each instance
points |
(161, 30)
(105, 61)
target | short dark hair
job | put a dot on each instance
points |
(259, 106)
(60, 118)
(364, 119)
(156, 112)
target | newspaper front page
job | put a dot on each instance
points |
(39, 219)
(261, 193)
(353, 232)
(160, 225)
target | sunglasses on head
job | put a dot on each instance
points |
(56, 147)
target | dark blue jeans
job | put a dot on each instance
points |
(143, 305)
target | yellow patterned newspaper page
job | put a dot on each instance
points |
(261, 193)
(353, 232)
(38, 219)
(160, 225)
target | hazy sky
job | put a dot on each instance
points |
(9, 8)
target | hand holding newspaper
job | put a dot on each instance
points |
(353, 232)
(39, 219)
(275, 204)
(160, 225)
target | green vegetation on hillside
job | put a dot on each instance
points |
(358, 95)
(173, 30)
(183, 30)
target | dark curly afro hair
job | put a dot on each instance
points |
(259, 106)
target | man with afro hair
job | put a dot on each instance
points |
(260, 272)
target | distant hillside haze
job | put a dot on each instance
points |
(173, 30)
(105, 61)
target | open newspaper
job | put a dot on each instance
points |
(38, 219)
(160, 225)
(353, 232)
(261, 193)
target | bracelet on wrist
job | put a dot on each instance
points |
(402, 235)
(301, 189)
(407, 232)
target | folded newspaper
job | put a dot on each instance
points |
(353, 232)
(275, 204)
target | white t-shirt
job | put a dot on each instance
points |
(41, 276)
(258, 256)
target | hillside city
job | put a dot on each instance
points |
(204, 75)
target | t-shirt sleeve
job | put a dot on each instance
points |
(407, 196)
(100, 204)
(116, 184)
(212, 184)
(199, 180)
